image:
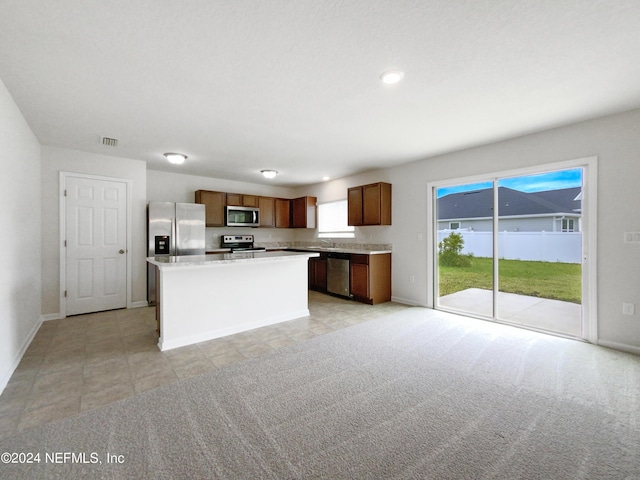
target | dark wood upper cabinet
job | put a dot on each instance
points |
(304, 212)
(369, 204)
(354, 203)
(240, 200)
(250, 200)
(283, 212)
(274, 212)
(214, 203)
(267, 207)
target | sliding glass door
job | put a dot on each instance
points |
(465, 248)
(510, 249)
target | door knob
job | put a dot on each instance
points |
(121, 251)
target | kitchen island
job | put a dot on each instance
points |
(201, 297)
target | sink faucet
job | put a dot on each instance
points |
(328, 242)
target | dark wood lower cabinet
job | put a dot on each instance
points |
(359, 280)
(318, 273)
(370, 278)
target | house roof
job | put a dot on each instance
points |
(479, 203)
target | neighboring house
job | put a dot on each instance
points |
(547, 211)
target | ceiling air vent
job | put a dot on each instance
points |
(109, 142)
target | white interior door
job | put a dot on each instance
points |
(96, 239)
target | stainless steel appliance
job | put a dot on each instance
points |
(239, 243)
(338, 274)
(242, 216)
(173, 229)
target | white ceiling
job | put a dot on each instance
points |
(293, 85)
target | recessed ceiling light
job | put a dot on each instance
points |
(269, 173)
(392, 76)
(176, 158)
(324, 179)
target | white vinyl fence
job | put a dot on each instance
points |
(563, 247)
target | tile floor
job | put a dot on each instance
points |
(87, 361)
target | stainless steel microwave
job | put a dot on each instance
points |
(242, 216)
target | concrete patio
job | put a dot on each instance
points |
(551, 315)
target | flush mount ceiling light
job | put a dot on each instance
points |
(176, 158)
(269, 173)
(392, 76)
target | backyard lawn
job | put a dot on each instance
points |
(559, 281)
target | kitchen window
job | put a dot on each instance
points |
(332, 220)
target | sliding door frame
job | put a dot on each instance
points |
(589, 237)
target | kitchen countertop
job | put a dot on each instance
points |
(309, 249)
(339, 250)
(228, 257)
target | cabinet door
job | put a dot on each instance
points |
(283, 213)
(320, 275)
(267, 207)
(304, 212)
(249, 200)
(214, 203)
(359, 278)
(354, 204)
(234, 199)
(371, 197)
(380, 278)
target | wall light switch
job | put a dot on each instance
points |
(628, 308)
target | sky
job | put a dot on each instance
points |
(529, 183)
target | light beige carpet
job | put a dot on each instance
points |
(416, 394)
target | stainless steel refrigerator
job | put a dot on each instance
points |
(172, 229)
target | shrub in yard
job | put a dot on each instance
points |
(449, 252)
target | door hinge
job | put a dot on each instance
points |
(65, 294)
(65, 243)
(65, 192)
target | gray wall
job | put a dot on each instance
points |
(20, 277)
(56, 160)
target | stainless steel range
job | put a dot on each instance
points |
(239, 243)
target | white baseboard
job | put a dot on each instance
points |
(619, 346)
(6, 376)
(223, 332)
(58, 316)
(407, 301)
(139, 304)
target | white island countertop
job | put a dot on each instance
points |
(202, 297)
(213, 259)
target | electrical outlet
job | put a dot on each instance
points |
(631, 237)
(628, 308)
(412, 278)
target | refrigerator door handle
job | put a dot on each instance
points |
(174, 237)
